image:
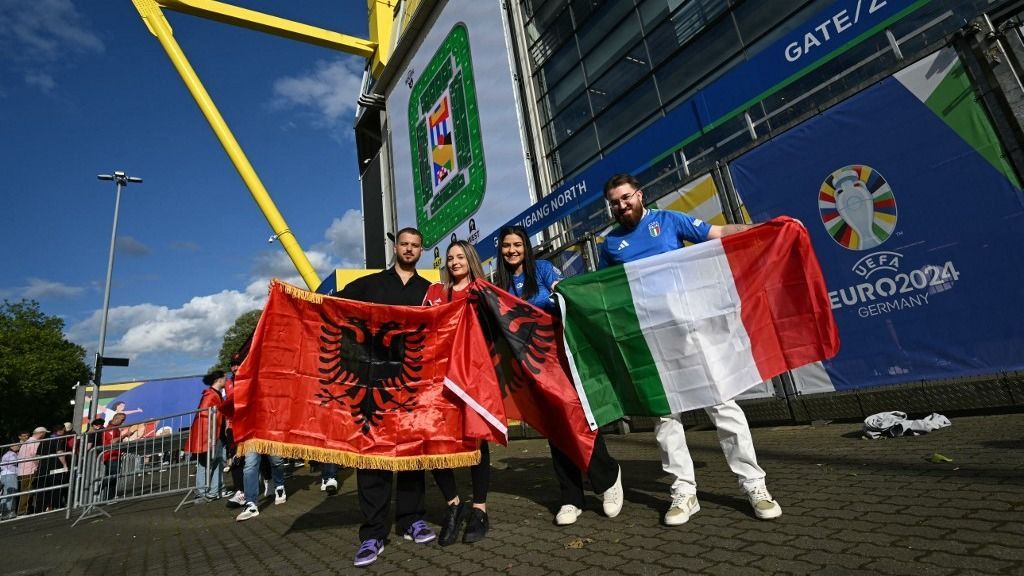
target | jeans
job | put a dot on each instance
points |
(251, 475)
(216, 465)
(108, 487)
(10, 486)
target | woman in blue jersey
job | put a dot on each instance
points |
(534, 281)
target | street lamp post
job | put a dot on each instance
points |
(122, 181)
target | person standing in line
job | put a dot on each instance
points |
(209, 458)
(399, 285)
(111, 456)
(522, 275)
(27, 468)
(644, 232)
(9, 481)
(461, 268)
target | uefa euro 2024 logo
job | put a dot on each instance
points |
(857, 207)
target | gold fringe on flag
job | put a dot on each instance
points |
(296, 292)
(366, 461)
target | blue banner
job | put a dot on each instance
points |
(916, 221)
(836, 28)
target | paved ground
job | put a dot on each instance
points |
(851, 506)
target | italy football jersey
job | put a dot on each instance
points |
(659, 231)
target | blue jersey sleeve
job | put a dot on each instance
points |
(687, 228)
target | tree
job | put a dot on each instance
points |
(38, 367)
(236, 337)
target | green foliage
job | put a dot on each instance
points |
(235, 338)
(38, 367)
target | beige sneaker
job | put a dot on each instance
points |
(683, 506)
(764, 507)
(567, 515)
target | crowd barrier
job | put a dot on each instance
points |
(142, 460)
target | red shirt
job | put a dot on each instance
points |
(111, 436)
(438, 294)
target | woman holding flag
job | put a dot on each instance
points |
(462, 267)
(522, 275)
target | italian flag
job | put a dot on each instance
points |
(697, 326)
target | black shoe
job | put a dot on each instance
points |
(454, 518)
(476, 527)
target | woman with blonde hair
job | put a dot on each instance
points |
(461, 268)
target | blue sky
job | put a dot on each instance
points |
(85, 89)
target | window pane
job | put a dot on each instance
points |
(577, 150)
(557, 66)
(565, 90)
(602, 23)
(628, 71)
(682, 27)
(754, 19)
(565, 125)
(704, 56)
(653, 12)
(627, 113)
(553, 37)
(582, 9)
(613, 46)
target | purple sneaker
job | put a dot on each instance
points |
(420, 533)
(368, 552)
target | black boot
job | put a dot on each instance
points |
(454, 518)
(477, 526)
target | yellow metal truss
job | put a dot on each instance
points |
(381, 14)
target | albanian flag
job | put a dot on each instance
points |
(363, 385)
(525, 348)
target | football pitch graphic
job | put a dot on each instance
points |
(449, 175)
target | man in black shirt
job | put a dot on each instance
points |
(399, 285)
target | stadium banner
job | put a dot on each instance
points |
(911, 209)
(824, 35)
(458, 156)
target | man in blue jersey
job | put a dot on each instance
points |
(646, 232)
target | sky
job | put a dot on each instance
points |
(85, 89)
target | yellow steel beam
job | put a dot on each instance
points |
(221, 12)
(382, 22)
(158, 25)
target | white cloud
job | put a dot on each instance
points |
(196, 328)
(39, 289)
(131, 246)
(329, 91)
(40, 35)
(160, 338)
(43, 30)
(41, 80)
(345, 239)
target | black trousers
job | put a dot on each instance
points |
(603, 472)
(375, 501)
(480, 475)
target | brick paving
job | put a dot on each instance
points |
(851, 506)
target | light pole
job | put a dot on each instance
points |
(122, 181)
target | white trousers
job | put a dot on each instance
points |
(733, 435)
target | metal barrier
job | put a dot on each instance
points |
(40, 480)
(136, 461)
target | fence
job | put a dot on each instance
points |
(37, 480)
(131, 462)
(85, 472)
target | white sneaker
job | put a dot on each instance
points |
(237, 499)
(323, 485)
(250, 511)
(567, 515)
(279, 496)
(332, 486)
(765, 508)
(613, 497)
(683, 506)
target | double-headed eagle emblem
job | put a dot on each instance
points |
(373, 368)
